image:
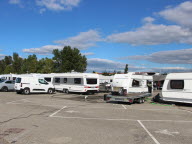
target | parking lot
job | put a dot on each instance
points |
(73, 118)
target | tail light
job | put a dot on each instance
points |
(97, 87)
(87, 87)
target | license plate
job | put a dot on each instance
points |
(120, 99)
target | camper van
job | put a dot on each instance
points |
(132, 83)
(33, 84)
(177, 87)
(76, 82)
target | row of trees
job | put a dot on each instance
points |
(64, 60)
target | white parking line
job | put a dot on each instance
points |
(57, 111)
(16, 101)
(108, 119)
(154, 139)
(124, 106)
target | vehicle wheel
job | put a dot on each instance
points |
(143, 100)
(50, 91)
(26, 91)
(66, 91)
(63, 90)
(5, 89)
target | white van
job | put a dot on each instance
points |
(131, 82)
(33, 84)
(76, 82)
(177, 87)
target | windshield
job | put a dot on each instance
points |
(18, 80)
(91, 81)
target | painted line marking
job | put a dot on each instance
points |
(154, 139)
(94, 118)
(57, 111)
(124, 106)
(12, 102)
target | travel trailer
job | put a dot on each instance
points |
(33, 84)
(76, 82)
(8, 76)
(105, 83)
(177, 87)
(130, 88)
(131, 82)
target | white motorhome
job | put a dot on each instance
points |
(76, 82)
(177, 87)
(131, 82)
(33, 84)
(8, 76)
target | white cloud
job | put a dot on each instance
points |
(183, 56)
(44, 50)
(14, 1)
(58, 5)
(152, 34)
(148, 19)
(101, 65)
(2, 56)
(82, 41)
(87, 54)
(181, 14)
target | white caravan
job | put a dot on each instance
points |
(131, 82)
(177, 87)
(33, 84)
(76, 82)
(8, 76)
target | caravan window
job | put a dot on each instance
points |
(65, 80)
(177, 84)
(91, 81)
(57, 80)
(77, 80)
(48, 79)
(135, 83)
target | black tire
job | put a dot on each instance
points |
(63, 90)
(50, 91)
(5, 89)
(26, 91)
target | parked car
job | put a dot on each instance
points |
(7, 85)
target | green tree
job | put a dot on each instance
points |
(8, 69)
(45, 65)
(2, 66)
(69, 59)
(126, 69)
(17, 63)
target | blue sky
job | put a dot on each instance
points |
(150, 35)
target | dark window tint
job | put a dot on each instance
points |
(8, 82)
(91, 81)
(65, 80)
(135, 83)
(18, 80)
(57, 80)
(77, 80)
(177, 84)
(48, 79)
(14, 78)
